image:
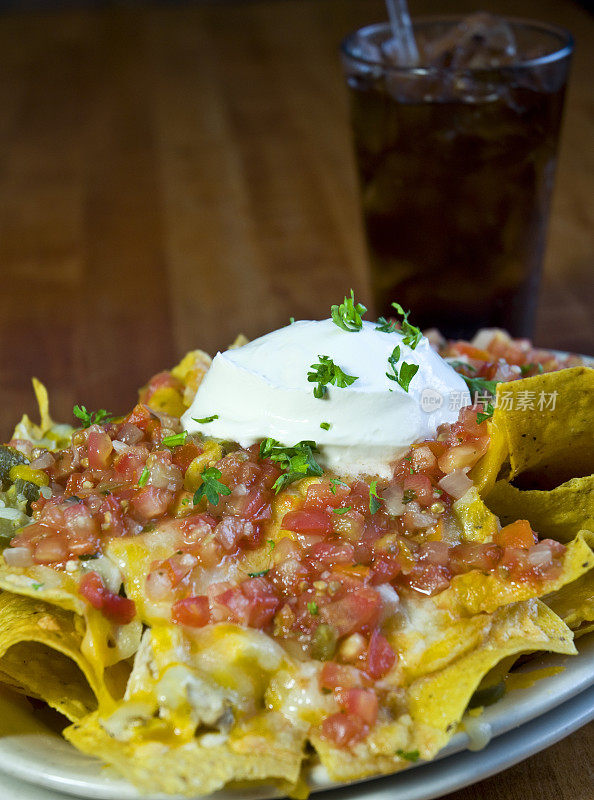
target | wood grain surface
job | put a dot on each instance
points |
(172, 176)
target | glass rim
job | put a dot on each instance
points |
(562, 51)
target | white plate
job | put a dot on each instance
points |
(38, 756)
(433, 780)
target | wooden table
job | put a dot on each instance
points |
(169, 177)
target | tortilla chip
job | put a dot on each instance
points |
(574, 603)
(47, 434)
(474, 592)
(478, 523)
(40, 652)
(555, 514)
(435, 704)
(267, 748)
(541, 429)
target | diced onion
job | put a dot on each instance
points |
(393, 496)
(18, 557)
(456, 484)
(43, 461)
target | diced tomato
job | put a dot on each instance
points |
(380, 656)
(419, 488)
(191, 611)
(332, 552)
(308, 522)
(322, 495)
(149, 503)
(385, 567)
(117, 609)
(465, 557)
(344, 729)
(338, 676)
(517, 534)
(362, 703)
(252, 603)
(99, 448)
(141, 417)
(185, 454)
(353, 612)
(429, 579)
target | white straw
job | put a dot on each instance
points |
(402, 31)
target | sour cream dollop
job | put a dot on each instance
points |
(261, 390)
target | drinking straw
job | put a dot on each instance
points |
(406, 51)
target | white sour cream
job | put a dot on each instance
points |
(261, 390)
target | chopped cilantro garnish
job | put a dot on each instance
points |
(91, 417)
(461, 365)
(526, 368)
(408, 496)
(407, 371)
(335, 482)
(480, 386)
(175, 440)
(271, 543)
(211, 487)
(36, 586)
(88, 557)
(348, 314)
(411, 755)
(325, 372)
(412, 334)
(144, 476)
(297, 461)
(375, 502)
(486, 413)
(341, 510)
(312, 607)
(204, 420)
(325, 426)
(386, 325)
(291, 320)
(258, 574)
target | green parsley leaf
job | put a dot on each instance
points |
(204, 420)
(386, 325)
(407, 371)
(375, 502)
(144, 476)
(291, 320)
(457, 365)
(325, 426)
(486, 413)
(480, 386)
(175, 440)
(325, 372)
(297, 461)
(412, 334)
(408, 496)
(312, 607)
(271, 543)
(348, 314)
(335, 482)
(525, 369)
(89, 418)
(258, 574)
(411, 755)
(211, 487)
(341, 510)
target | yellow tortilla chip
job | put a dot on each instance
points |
(555, 514)
(267, 748)
(541, 429)
(433, 705)
(40, 651)
(47, 434)
(574, 603)
(474, 592)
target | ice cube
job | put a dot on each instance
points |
(480, 41)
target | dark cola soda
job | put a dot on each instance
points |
(456, 163)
